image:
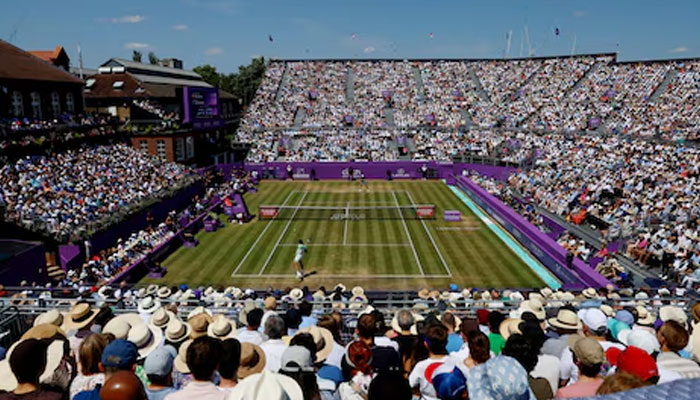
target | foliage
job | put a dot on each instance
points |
(136, 56)
(241, 84)
(152, 58)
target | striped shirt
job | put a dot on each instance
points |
(682, 366)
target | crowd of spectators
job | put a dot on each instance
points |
(228, 343)
(71, 194)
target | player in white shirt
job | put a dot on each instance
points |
(298, 256)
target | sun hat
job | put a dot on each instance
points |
(146, 337)
(589, 293)
(640, 338)
(607, 310)
(252, 360)
(43, 331)
(151, 289)
(673, 313)
(180, 361)
(120, 325)
(296, 294)
(358, 291)
(267, 386)
(161, 317)
(164, 292)
(565, 319)
(80, 316)
(148, 305)
(644, 317)
(341, 287)
(500, 377)
(177, 331)
(423, 294)
(53, 317)
(395, 323)
(546, 292)
(593, 318)
(120, 354)
(534, 306)
(55, 353)
(222, 328)
(509, 326)
(248, 306)
(298, 355)
(199, 310)
(466, 293)
(270, 303)
(323, 339)
(160, 361)
(588, 351)
(199, 324)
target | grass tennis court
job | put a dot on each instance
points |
(345, 246)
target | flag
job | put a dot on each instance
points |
(556, 31)
(269, 37)
(431, 35)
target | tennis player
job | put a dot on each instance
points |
(298, 256)
(363, 182)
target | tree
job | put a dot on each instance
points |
(136, 56)
(152, 58)
(209, 74)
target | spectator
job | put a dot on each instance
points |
(27, 373)
(674, 338)
(305, 308)
(479, 349)
(620, 382)
(389, 385)
(454, 340)
(518, 348)
(203, 357)
(274, 346)
(436, 342)
(637, 362)
(123, 385)
(496, 341)
(267, 386)
(228, 366)
(118, 355)
(588, 357)
(359, 358)
(500, 377)
(298, 365)
(250, 334)
(158, 367)
(89, 356)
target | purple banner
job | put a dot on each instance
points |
(201, 107)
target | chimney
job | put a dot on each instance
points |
(171, 63)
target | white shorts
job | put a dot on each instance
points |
(298, 258)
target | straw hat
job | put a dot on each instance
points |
(644, 317)
(466, 293)
(341, 287)
(199, 324)
(222, 328)
(674, 313)
(164, 292)
(148, 305)
(423, 294)
(296, 294)
(395, 323)
(589, 293)
(267, 386)
(80, 316)
(53, 317)
(486, 295)
(566, 319)
(43, 331)
(151, 290)
(358, 291)
(434, 294)
(510, 326)
(146, 337)
(120, 325)
(248, 306)
(534, 306)
(546, 293)
(180, 362)
(607, 310)
(176, 331)
(198, 310)
(270, 303)
(252, 360)
(161, 317)
(323, 339)
(54, 356)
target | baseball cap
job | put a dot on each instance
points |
(120, 354)
(298, 355)
(160, 361)
(593, 318)
(638, 363)
(450, 385)
(625, 316)
(588, 351)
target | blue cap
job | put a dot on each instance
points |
(625, 316)
(454, 287)
(160, 361)
(450, 386)
(120, 354)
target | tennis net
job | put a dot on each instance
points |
(340, 213)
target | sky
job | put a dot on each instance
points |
(227, 33)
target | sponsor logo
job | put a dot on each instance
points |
(349, 217)
(268, 212)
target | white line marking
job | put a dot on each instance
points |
(345, 276)
(444, 263)
(413, 248)
(347, 215)
(348, 244)
(284, 231)
(250, 250)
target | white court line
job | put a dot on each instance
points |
(250, 250)
(347, 244)
(345, 276)
(413, 248)
(444, 263)
(274, 249)
(347, 217)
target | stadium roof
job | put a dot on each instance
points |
(163, 80)
(133, 66)
(19, 64)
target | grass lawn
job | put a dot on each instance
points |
(376, 254)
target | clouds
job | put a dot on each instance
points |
(369, 50)
(580, 13)
(213, 51)
(126, 19)
(136, 45)
(680, 49)
(180, 27)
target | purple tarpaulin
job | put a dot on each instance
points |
(69, 256)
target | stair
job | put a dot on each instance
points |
(527, 80)
(420, 87)
(411, 146)
(299, 117)
(466, 118)
(283, 83)
(349, 86)
(479, 88)
(670, 75)
(389, 116)
(578, 83)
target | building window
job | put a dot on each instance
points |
(36, 105)
(70, 102)
(143, 146)
(160, 148)
(90, 83)
(17, 104)
(179, 149)
(118, 85)
(55, 104)
(189, 146)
